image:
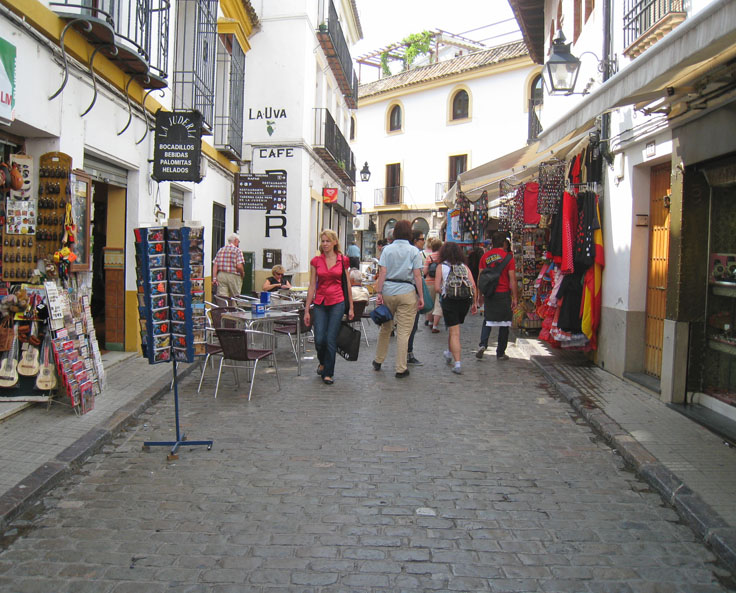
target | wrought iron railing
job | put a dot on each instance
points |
(140, 27)
(642, 15)
(440, 189)
(535, 126)
(328, 16)
(329, 137)
(387, 196)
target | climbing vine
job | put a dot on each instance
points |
(416, 44)
(384, 64)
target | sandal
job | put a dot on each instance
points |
(320, 369)
(328, 380)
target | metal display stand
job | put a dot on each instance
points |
(181, 439)
(171, 306)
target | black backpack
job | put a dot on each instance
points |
(432, 269)
(489, 277)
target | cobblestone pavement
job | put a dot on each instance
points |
(483, 481)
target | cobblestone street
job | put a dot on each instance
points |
(483, 481)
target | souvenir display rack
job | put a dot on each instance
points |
(529, 248)
(170, 283)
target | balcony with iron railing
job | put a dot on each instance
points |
(389, 196)
(332, 147)
(336, 49)
(134, 34)
(647, 21)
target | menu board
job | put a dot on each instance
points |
(265, 191)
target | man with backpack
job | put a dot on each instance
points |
(497, 287)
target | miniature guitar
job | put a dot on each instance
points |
(29, 365)
(9, 366)
(46, 379)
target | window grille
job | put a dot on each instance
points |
(195, 56)
(229, 96)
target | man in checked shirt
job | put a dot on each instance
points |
(228, 268)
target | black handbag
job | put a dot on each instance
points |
(345, 288)
(348, 342)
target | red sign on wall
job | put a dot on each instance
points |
(329, 194)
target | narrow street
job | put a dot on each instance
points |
(484, 481)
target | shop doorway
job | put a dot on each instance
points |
(657, 266)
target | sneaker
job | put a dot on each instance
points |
(457, 369)
(402, 374)
(479, 353)
(376, 366)
(502, 357)
(411, 359)
(448, 356)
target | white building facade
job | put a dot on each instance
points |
(300, 92)
(419, 129)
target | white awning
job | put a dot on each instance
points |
(520, 165)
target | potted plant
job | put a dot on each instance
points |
(323, 27)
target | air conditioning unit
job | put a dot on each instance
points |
(360, 223)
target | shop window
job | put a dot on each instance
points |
(194, 63)
(230, 85)
(389, 226)
(420, 224)
(460, 105)
(394, 119)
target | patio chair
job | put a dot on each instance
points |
(222, 301)
(212, 345)
(288, 328)
(236, 347)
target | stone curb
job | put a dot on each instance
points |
(697, 514)
(28, 491)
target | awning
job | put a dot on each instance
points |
(701, 43)
(519, 165)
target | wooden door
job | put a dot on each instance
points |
(393, 184)
(659, 241)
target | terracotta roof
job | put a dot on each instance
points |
(444, 69)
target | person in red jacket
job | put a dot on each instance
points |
(499, 307)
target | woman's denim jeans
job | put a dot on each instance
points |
(326, 324)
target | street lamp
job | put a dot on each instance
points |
(562, 69)
(365, 173)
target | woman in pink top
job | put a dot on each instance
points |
(325, 292)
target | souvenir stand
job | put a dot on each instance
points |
(555, 222)
(47, 338)
(170, 283)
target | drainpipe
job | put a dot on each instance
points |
(606, 118)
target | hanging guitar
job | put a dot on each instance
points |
(9, 366)
(46, 379)
(29, 365)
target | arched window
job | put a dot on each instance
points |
(394, 120)
(460, 105)
(536, 99)
(420, 224)
(389, 226)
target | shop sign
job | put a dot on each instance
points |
(177, 150)
(329, 194)
(357, 208)
(7, 80)
(262, 191)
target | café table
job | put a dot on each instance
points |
(266, 320)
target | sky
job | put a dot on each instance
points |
(388, 21)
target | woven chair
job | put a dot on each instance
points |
(212, 346)
(289, 329)
(236, 348)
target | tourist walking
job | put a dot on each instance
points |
(228, 268)
(456, 287)
(417, 239)
(325, 291)
(399, 287)
(499, 305)
(430, 269)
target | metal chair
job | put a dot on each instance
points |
(236, 347)
(289, 329)
(359, 308)
(212, 346)
(222, 301)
